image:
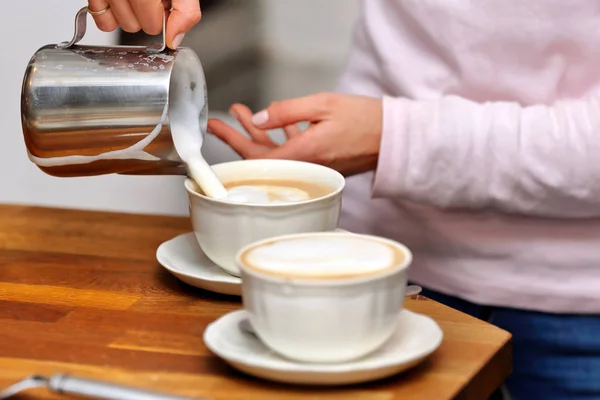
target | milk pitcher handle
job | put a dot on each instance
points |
(81, 24)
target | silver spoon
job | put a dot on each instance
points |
(30, 382)
(413, 290)
(61, 383)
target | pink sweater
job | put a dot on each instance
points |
(491, 127)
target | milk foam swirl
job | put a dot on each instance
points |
(323, 256)
(266, 194)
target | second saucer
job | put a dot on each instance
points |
(183, 257)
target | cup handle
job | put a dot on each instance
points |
(81, 25)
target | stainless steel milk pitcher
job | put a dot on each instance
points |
(92, 110)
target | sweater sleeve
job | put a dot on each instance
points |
(454, 153)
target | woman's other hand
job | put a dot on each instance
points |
(133, 15)
(344, 134)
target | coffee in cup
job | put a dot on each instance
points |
(265, 198)
(324, 297)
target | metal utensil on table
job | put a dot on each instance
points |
(67, 384)
(94, 110)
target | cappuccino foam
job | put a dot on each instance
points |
(323, 256)
(271, 191)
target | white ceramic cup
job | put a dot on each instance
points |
(222, 227)
(325, 320)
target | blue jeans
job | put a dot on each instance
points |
(556, 356)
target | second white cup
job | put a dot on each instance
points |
(324, 297)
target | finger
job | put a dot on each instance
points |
(243, 114)
(149, 14)
(287, 112)
(184, 15)
(124, 15)
(241, 144)
(106, 21)
(292, 131)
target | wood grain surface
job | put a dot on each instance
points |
(81, 292)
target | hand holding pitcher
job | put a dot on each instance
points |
(146, 15)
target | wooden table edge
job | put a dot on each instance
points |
(494, 373)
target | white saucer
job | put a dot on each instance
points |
(183, 257)
(417, 337)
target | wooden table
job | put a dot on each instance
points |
(81, 292)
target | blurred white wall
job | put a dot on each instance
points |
(300, 36)
(307, 42)
(309, 32)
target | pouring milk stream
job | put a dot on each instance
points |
(189, 118)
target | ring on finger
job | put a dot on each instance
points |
(100, 12)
